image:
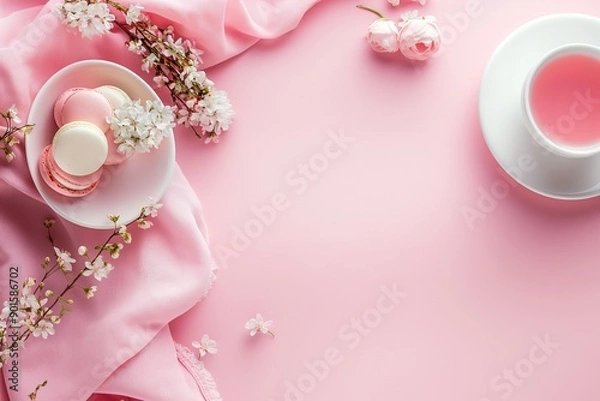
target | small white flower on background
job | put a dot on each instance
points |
(136, 46)
(9, 155)
(99, 268)
(90, 291)
(91, 19)
(82, 251)
(150, 61)
(64, 259)
(29, 301)
(134, 14)
(126, 235)
(4, 315)
(152, 209)
(43, 329)
(205, 346)
(29, 282)
(257, 324)
(398, 2)
(145, 224)
(172, 46)
(115, 250)
(13, 114)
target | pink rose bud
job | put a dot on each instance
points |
(420, 37)
(397, 2)
(383, 36)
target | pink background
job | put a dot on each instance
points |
(388, 211)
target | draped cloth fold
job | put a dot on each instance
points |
(117, 345)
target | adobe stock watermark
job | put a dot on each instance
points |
(505, 383)
(351, 336)
(453, 25)
(298, 181)
(36, 33)
(104, 368)
(487, 200)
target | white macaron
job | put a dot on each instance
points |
(79, 148)
(116, 96)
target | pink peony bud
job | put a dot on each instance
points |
(383, 36)
(420, 37)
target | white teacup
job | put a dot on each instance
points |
(561, 101)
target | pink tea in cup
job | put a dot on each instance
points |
(565, 100)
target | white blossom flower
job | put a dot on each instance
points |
(136, 46)
(82, 250)
(150, 61)
(64, 259)
(205, 346)
(115, 250)
(43, 328)
(216, 112)
(29, 282)
(9, 155)
(152, 209)
(134, 14)
(99, 268)
(125, 235)
(145, 224)
(13, 114)
(160, 80)
(11, 141)
(4, 354)
(29, 301)
(90, 291)
(257, 324)
(191, 76)
(139, 128)
(4, 315)
(91, 19)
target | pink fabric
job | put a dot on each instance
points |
(118, 343)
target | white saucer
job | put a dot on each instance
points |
(501, 117)
(124, 189)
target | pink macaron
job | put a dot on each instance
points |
(81, 104)
(64, 183)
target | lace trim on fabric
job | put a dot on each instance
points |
(203, 378)
(211, 280)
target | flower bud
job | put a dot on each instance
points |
(383, 36)
(420, 37)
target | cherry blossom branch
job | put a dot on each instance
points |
(175, 61)
(31, 309)
(11, 127)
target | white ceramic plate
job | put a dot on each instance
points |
(501, 115)
(123, 189)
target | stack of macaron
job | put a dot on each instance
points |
(84, 144)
